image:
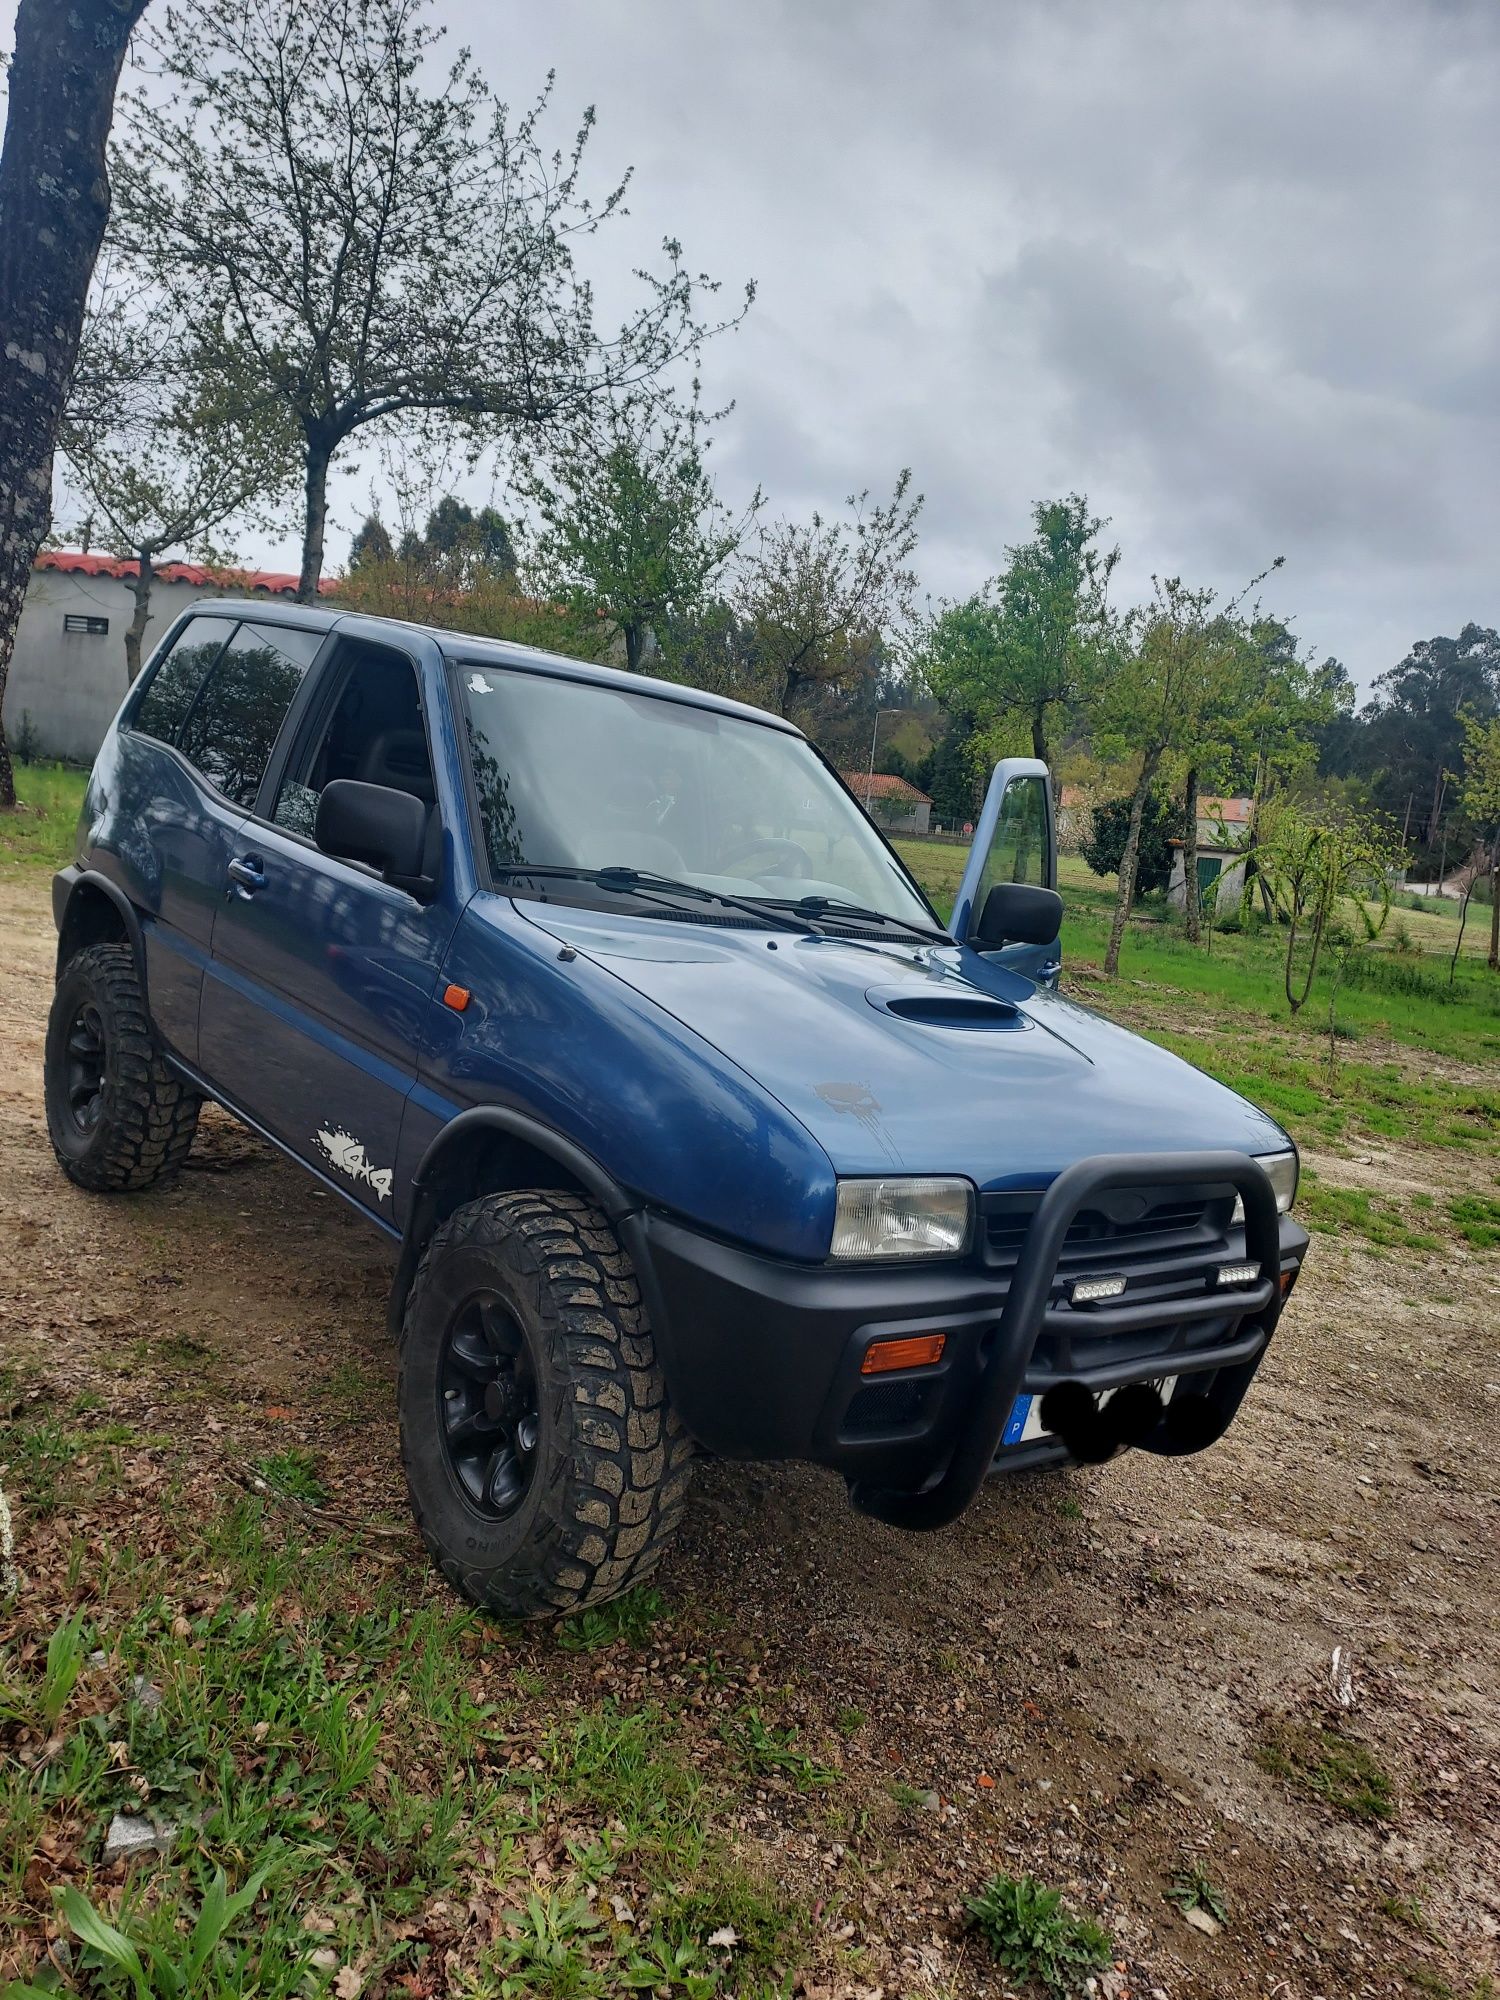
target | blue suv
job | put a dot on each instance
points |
(694, 1125)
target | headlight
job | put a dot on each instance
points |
(920, 1216)
(1281, 1172)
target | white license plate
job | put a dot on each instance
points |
(1025, 1420)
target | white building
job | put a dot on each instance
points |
(1223, 829)
(67, 674)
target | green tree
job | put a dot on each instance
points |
(54, 204)
(630, 524)
(1031, 644)
(374, 253)
(1319, 857)
(813, 595)
(1186, 656)
(372, 543)
(1480, 794)
(1160, 825)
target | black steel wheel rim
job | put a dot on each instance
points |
(488, 1414)
(83, 1067)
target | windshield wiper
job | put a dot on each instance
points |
(640, 881)
(832, 906)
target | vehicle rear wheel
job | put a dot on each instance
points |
(117, 1116)
(546, 1468)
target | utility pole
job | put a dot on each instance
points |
(870, 773)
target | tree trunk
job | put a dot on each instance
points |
(1128, 862)
(135, 631)
(54, 203)
(1190, 855)
(1494, 960)
(1039, 733)
(315, 517)
(635, 644)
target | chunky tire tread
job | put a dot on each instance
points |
(149, 1116)
(615, 1473)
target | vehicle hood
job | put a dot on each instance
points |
(890, 1056)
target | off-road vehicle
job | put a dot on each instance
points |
(692, 1122)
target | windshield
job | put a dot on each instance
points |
(574, 775)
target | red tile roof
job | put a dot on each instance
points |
(1233, 812)
(883, 786)
(260, 582)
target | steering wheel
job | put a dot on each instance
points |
(798, 860)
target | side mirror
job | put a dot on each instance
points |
(1016, 913)
(375, 824)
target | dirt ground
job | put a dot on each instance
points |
(1083, 1670)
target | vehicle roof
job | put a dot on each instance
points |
(470, 649)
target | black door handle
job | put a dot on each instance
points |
(246, 874)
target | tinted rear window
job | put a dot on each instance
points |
(169, 693)
(234, 723)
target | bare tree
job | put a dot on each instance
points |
(54, 204)
(372, 251)
(811, 594)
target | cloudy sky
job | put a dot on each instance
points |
(1231, 269)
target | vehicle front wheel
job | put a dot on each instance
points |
(546, 1467)
(117, 1116)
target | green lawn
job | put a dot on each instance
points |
(39, 834)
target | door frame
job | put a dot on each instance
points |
(1008, 769)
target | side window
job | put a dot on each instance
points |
(170, 690)
(374, 734)
(1018, 852)
(234, 722)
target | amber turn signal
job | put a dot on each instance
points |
(456, 997)
(920, 1351)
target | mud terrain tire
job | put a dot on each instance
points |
(117, 1116)
(558, 1480)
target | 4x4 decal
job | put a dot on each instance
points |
(347, 1154)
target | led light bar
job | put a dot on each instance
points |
(1093, 1291)
(1237, 1274)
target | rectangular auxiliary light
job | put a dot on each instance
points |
(1236, 1274)
(1093, 1291)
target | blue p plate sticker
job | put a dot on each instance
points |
(1015, 1423)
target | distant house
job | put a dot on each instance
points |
(1075, 817)
(1223, 829)
(67, 675)
(892, 803)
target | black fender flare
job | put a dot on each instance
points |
(68, 883)
(621, 1206)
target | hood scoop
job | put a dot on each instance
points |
(937, 1007)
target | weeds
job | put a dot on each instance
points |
(630, 1617)
(764, 1750)
(291, 1473)
(1192, 1890)
(1034, 1936)
(1330, 1766)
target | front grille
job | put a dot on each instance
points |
(1119, 1229)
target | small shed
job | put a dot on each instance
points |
(1223, 829)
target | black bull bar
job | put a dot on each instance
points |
(1027, 1312)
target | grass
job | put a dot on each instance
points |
(345, 1766)
(1330, 1766)
(1222, 1007)
(40, 833)
(1035, 1936)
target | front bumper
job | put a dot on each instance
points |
(763, 1357)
